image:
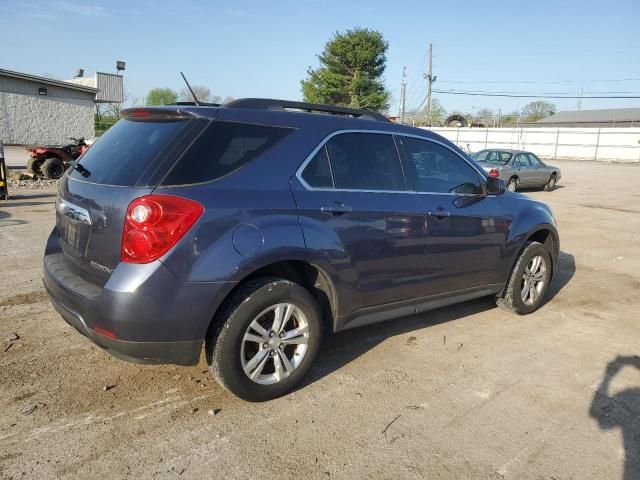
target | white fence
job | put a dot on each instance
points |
(608, 144)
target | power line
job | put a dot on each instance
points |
(415, 110)
(542, 82)
(507, 92)
(512, 95)
(412, 92)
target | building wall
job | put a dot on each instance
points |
(33, 119)
(608, 144)
(29, 87)
(109, 85)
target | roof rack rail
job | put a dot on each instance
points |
(273, 104)
(199, 104)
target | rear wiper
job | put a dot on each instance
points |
(83, 171)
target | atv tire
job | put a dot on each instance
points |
(33, 166)
(52, 167)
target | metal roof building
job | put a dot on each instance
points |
(40, 110)
(613, 117)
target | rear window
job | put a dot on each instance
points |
(122, 154)
(222, 148)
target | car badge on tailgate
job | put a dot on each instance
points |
(102, 268)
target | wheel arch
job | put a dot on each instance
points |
(547, 235)
(301, 272)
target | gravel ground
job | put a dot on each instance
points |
(467, 391)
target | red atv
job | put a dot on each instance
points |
(52, 161)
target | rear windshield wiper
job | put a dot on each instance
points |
(83, 171)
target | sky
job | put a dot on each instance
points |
(250, 48)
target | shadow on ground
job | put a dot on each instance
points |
(564, 271)
(535, 189)
(621, 410)
(344, 347)
(52, 196)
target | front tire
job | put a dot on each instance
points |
(52, 167)
(264, 339)
(529, 281)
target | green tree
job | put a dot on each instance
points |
(484, 117)
(536, 110)
(161, 96)
(438, 113)
(512, 118)
(203, 93)
(350, 72)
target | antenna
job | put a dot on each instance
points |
(195, 99)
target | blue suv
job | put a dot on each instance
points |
(253, 228)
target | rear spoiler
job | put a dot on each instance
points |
(156, 114)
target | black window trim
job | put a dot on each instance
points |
(401, 155)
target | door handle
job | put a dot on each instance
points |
(337, 208)
(439, 213)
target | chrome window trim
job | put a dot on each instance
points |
(326, 139)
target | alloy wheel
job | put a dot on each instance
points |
(533, 280)
(274, 343)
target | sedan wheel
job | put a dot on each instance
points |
(512, 185)
(551, 184)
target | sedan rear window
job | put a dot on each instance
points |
(222, 148)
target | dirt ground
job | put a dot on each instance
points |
(463, 392)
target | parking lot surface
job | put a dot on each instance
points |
(468, 391)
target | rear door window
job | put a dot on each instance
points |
(522, 160)
(125, 151)
(535, 162)
(482, 155)
(365, 161)
(222, 148)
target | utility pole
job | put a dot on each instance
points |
(431, 78)
(580, 99)
(403, 88)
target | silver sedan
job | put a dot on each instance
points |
(519, 169)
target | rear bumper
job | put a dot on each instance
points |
(179, 353)
(143, 314)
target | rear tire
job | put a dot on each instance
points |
(52, 167)
(512, 184)
(551, 184)
(529, 281)
(253, 356)
(33, 166)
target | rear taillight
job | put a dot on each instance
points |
(494, 173)
(154, 224)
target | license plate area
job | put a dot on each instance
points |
(74, 228)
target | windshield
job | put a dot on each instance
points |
(495, 157)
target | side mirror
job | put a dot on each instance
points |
(494, 186)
